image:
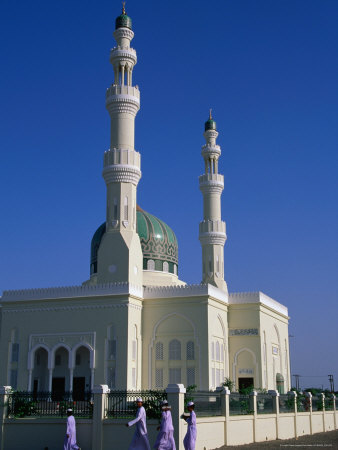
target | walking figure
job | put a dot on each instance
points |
(190, 438)
(165, 438)
(70, 438)
(140, 439)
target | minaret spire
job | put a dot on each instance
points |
(120, 254)
(212, 229)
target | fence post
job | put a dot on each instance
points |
(253, 407)
(322, 396)
(176, 400)
(294, 395)
(334, 411)
(99, 392)
(4, 391)
(308, 407)
(225, 408)
(275, 408)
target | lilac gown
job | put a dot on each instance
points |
(140, 439)
(190, 438)
(70, 442)
(165, 438)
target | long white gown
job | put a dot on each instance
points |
(190, 438)
(70, 442)
(140, 439)
(165, 438)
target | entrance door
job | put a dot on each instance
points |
(79, 384)
(245, 383)
(58, 388)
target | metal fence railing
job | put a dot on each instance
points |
(47, 404)
(317, 404)
(286, 403)
(239, 404)
(264, 404)
(329, 404)
(122, 404)
(207, 403)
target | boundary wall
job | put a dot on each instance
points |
(102, 433)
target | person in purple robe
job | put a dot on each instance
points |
(140, 439)
(70, 438)
(165, 438)
(189, 441)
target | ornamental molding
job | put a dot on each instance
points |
(123, 33)
(208, 150)
(118, 104)
(73, 308)
(86, 290)
(211, 187)
(188, 290)
(212, 238)
(210, 134)
(117, 54)
(121, 173)
(243, 332)
(258, 297)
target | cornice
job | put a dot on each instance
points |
(121, 173)
(192, 290)
(258, 297)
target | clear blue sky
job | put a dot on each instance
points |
(269, 70)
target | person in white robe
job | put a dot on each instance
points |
(189, 441)
(70, 438)
(165, 438)
(140, 439)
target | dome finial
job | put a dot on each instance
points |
(123, 7)
(210, 116)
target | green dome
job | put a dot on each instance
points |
(210, 125)
(158, 242)
(123, 21)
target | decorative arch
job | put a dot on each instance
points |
(91, 354)
(151, 344)
(31, 355)
(280, 348)
(245, 349)
(56, 347)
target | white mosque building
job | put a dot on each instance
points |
(134, 324)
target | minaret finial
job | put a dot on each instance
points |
(123, 7)
(210, 116)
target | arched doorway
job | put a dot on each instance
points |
(60, 381)
(280, 383)
(81, 373)
(40, 370)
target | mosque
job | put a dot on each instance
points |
(134, 324)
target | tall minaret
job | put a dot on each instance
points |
(212, 229)
(120, 254)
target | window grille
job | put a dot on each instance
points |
(125, 208)
(222, 352)
(222, 376)
(159, 351)
(218, 377)
(14, 378)
(217, 351)
(190, 376)
(175, 350)
(112, 349)
(174, 376)
(133, 377)
(15, 352)
(78, 359)
(134, 351)
(165, 267)
(159, 378)
(58, 360)
(190, 350)
(212, 350)
(111, 377)
(150, 264)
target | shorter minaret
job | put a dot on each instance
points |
(212, 229)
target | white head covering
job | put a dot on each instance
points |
(190, 404)
(139, 399)
(69, 410)
(164, 402)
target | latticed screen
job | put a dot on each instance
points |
(218, 377)
(133, 377)
(190, 376)
(159, 351)
(217, 352)
(175, 350)
(159, 378)
(134, 350)
(174, 376)
(190, 350)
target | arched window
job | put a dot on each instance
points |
(159, 351)
(150, 264)
(222, 352)
(175, 349)
(212, 350)
(190, 350)
(165, 267)
(217, 351)
(217, 263)
(125, 208)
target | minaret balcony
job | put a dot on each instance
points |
(211, 183)
(125, 157)
(119, 54)
(211, 151)
(212, 226)
(123, 99)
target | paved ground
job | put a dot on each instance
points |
(328, 440)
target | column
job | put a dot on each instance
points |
(225, 406)
(176, 400)
(4, 395)
(293, 395)
(253, 407)
(29, 386)
(99, 393)
(71, 375)
(322, 397)
(275, 407)
(92, 378)
(308, 407)
(50, 380)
